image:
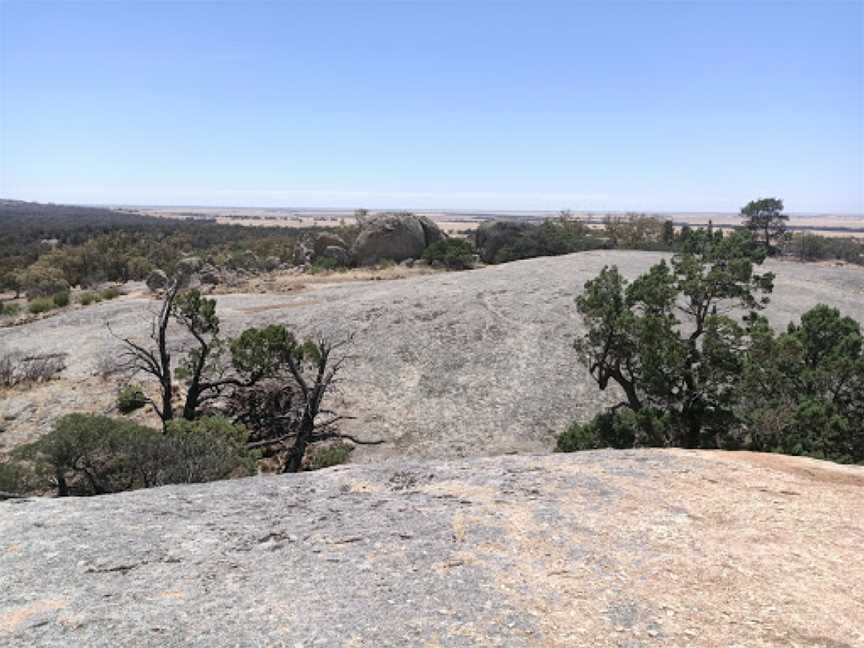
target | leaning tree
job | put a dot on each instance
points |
(670, 339)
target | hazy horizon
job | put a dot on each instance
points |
(660, 107)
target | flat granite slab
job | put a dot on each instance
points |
(605, 548)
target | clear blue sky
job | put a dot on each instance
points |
(530, 105)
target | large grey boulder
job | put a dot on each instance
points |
(492, 236)
(189, 265)
(209, 275)
(394, 236)
(337, 253)
(156, 280)
(327, 239)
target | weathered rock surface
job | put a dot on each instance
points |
(323, 240)
(455, 364)
(628, 548)
(394, 236)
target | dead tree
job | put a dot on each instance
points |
(288, 412)
(155, 361)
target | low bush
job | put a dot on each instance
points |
(452, 253)
(15, 478)
(9, 310)
(110, 293)
(206, 449)
(622, 428)
(61, 298)
(41, 305)
(329, 455)
(324, 264)
(130, 398)
(86, 454)
(87, 297)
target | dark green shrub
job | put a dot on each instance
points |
(61, 298)
(622, 428)
(130, 398)
(330, 455)
(110, 293)
(16, 478)
(324, 264)
(802, 392)
(579, 436)
(9, 310)
(453, 253)
(91, 455)
(206, 449)
(41, 305)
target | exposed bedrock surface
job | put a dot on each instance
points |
(443, 365)
(608, 548)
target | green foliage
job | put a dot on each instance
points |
(802, 392)
(9, 310)
(61, 298)
(92, 455)
(766, 220)
(42, 280)
(86, 298)
(16, 477)
(503, 241)
(329, 455)
(687, 368)
(709, 380)
(638, 232)
(258, 352)
(130, 398)
(807, 246)
(41, 305)
(579, 436)
(207, 449)
(95, 245)
(324, 264)
(110, 292)
(621, 428)
(452, 253)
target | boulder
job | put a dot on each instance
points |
(189, 265)
(327, 239)
(209, 275)
(337, 253)
(492, 236)
(395, 236)
(431, 230)
(156, 280)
